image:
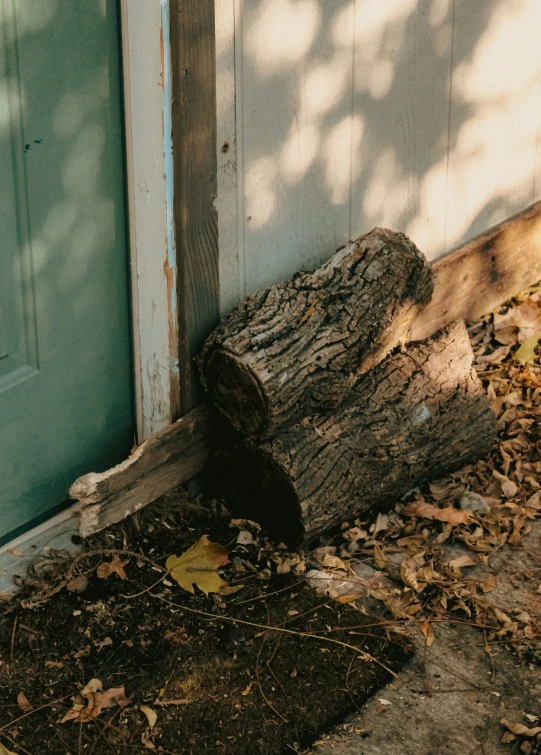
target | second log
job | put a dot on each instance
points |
(418, 415)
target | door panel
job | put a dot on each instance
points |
(65, 358)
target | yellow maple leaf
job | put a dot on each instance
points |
(199, 566)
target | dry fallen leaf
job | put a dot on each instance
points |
(408, 577)
(526, 353)
(5, 751)
(380, 558)
(151, 715)
(23, 702)
(333, 562)
(428, 633)
(509, 488)
(77, 584)
(83, 712)
(115, 566)
(92, 700)
(199, 566)
(461, 561)
(520, 730)
(428, 511)
(247, 691)
(146, 741)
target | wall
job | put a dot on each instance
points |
(338, 115)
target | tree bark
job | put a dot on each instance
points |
(298, 348)
(418, 415)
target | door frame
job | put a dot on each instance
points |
(147, 95)
(147, 80)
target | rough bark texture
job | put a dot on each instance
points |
(418, 415)
(298, 347)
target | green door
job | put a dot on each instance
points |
(65, 360)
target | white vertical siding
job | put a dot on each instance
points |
(420, 115)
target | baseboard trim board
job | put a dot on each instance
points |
(482, 274)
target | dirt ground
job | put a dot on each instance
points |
(217, 681)
(104, 652)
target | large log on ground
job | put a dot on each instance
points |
(298, 347)
(416, 416)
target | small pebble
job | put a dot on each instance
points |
(474, 503)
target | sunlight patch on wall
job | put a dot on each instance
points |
(260, 191)
(282, 34)
(325, 84)
(387, 196)
(298, 152)
(33, 17)
(82, 167)
(509, 50)
(12, 103)
(343, 140)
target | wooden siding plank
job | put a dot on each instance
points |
(193, 61)
(401, 94)
(494, 115)
(231, 257)
(294, 132)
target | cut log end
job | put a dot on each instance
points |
(236, 390)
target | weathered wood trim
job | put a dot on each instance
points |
(147, 108)
(166, 460)
(193, 61)
(482, 274)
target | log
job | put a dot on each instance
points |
(416, 416)
(298, 347)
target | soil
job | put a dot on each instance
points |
(235, 688)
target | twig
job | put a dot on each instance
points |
(34, 710)
(13, 637)
(366, 656)
(263, 695)
(17, 744)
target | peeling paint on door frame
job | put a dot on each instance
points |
(147, 96)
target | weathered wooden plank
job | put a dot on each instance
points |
(479, 276)
(145, 40)
(193, 62)
(166, 460)
(144, 490)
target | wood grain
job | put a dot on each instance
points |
(481, 275)
(295, 349)
(418, 415)
(194, 154)
(166, 460)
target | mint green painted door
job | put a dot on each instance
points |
(65, 361)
